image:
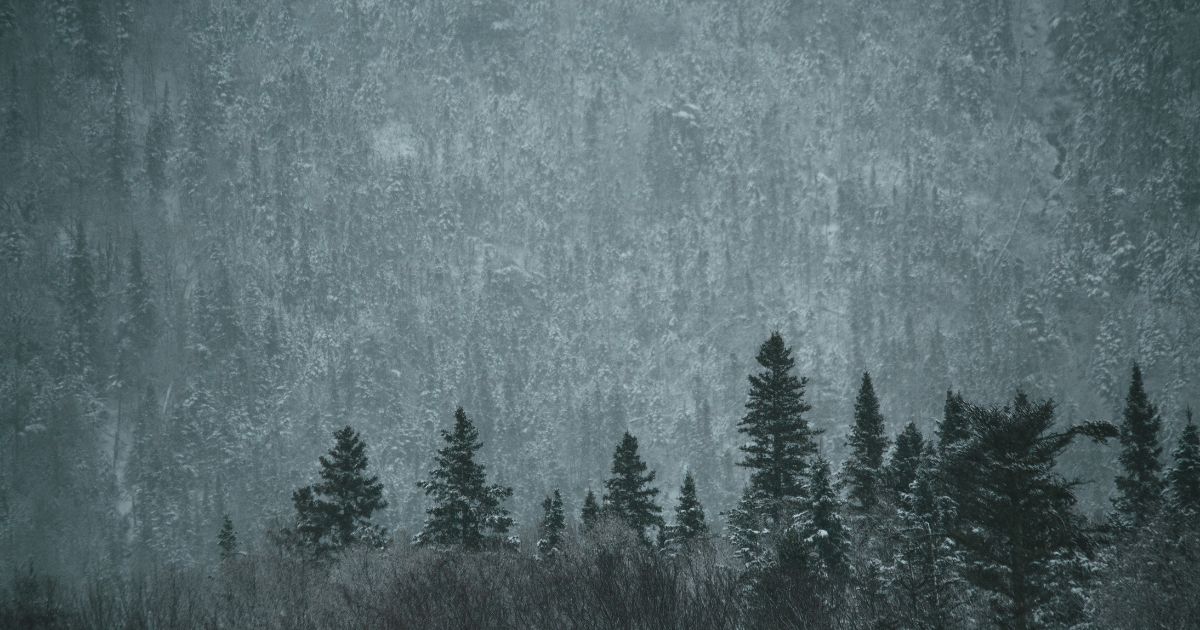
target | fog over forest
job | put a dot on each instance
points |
(954, 245)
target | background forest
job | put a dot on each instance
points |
(228, 228)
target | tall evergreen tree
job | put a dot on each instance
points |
(820, 526)
(1140, 486)
(1184, 478)
(781, 441)
(590, 514)
(628, 494)
(1018, 525)
(227, 539)
(905, 460)
(467, 512)
(867, 443)
(689, 525)
(336, 512)
(553, 524)
(953, 427)
(138, 327)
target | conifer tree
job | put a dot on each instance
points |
(953, 427)
(590, 514)
(553, 524)
(781, 441)
(1140, 486)
(628, 494)
(1184, 478)
(905, 460)
(157, 147)
(867, 443)
(689, 523)
(1018, 522)
(820, 526)
(467, 512)
(81, 306)
(227, 539)
(923, 577)
(746, 530)
(137, 329)
(336, 512)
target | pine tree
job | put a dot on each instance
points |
(1184, 478)
(227, 539)
(867, 445)
(923, 580)
(628, 495)
(905, 461)
(590, 515)
(689, 525)
(747, 532)
(137, 330)
(953, 427)
(81, 306)
(553, 525)
(1018, 522)
(1140, 487)
(820, 526)
(466, 512)
(336, 512)
(781, 441)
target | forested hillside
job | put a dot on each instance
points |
(229, 228)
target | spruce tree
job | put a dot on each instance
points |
(1140, 486)
(227, 539)
(553, 525)
(905, 460)
(467, 512)
(628, 494)
(137, 330)
(1184, 478)
(590, 514)
(689, 525)
(820, 526)
(867, 443)
(1017, 524)
(781, 441)
(953, 427)
(336, 512)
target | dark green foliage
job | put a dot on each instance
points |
(336, 512)
(820, 527)
(689, 525)
(628, 494)
(781, 441)
(553, 524)
(867, 443)
(1184, 477)
(1017, 526)
(1140, 485)
(590, 514)
(905, 461)
(227, 540)
(466, 512)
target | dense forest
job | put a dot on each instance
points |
(231, 229)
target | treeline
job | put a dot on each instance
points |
(970, 527)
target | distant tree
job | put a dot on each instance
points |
(867, 443)
(1140, 486)
(905, 460)
(553, 524)
(628, 494)
(138, 327)
(1184, 477)
(1018, 526)
(591, 512)
(781, 441)
(689, 525)
(467, 512)
(336, 512)
(81, 308)
(227, 539)
(158, 146)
